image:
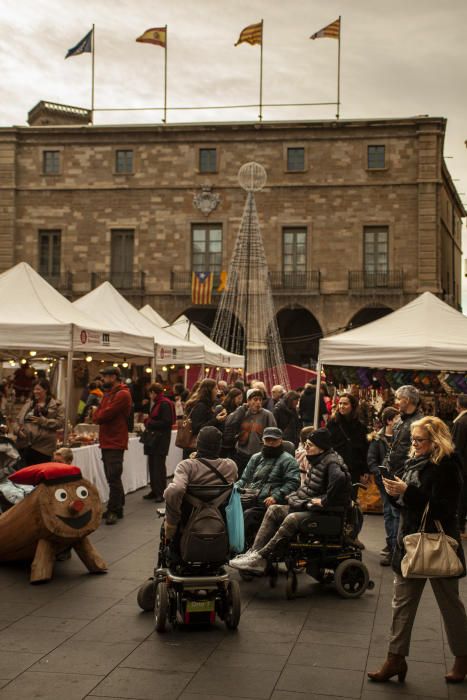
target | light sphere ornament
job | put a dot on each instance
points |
(252, 177)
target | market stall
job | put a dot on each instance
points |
(34, 316)
(135, 476)
(106, 302)
(184, 329)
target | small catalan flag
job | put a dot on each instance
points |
(253, 34)
(201, 287)
(330, 31)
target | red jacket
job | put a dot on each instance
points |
(112, 417)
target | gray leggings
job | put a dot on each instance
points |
(278, 526)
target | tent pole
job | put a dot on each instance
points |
(69, 384)
(318, 394)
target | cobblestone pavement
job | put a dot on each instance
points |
(83, 636)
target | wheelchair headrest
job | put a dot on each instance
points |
(210, 492)
(289, 447)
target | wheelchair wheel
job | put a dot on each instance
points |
(351, 578)
(233, 604)
(146, 597)
(161, 606)
(291, 585)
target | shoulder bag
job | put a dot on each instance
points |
(430, 554)
(185, 438)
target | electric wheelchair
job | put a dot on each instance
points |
(325, 549)
(193, 591)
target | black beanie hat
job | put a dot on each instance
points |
(321, 438)
(209, 441)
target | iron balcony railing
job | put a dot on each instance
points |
(284, 281)
(305, 281)
(362, 279)
(127, 282)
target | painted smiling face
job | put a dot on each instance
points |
(70, 510)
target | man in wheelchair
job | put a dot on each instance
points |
(327, 485)
(204, 469)
(269, 478)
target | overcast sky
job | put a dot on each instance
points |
(399, 58)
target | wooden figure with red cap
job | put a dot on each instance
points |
(61, 512)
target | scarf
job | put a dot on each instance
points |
(412, 469)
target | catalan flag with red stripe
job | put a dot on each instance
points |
(253, 34)
(201, 287)
(330, 31)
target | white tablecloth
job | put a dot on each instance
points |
(135, 473)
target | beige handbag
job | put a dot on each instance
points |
(430, 554)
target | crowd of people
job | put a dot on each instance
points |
(285, 468)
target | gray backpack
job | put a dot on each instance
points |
(204, 538)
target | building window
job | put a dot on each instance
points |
(294, 251)
(206, 249)
(296, 159)
(375, 242)
(207, 160)
(51, 162)
(124, 161)
(122, 245)
(376, 157)
(50, 254)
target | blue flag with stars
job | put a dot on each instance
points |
(83, 46)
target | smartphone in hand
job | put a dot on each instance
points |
(384, 471)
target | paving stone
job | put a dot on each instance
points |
(296, 678)
(49, 686)
(285, 695)
(160, 654)
(85, 657)
(329, 656)
(14, 662)
(72, 605)
(117, 627)
(250, 682)
(30, 640)
(345, 639)
(265, 662)
(143, 684)
(252, 641)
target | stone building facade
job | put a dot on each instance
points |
(358, 216)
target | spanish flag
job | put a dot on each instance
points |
(157, 35)
(330, 31)
(253, 34)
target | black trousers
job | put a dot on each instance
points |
(157, 474)
(113, 468)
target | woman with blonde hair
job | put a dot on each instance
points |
(432, 475)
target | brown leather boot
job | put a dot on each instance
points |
(395, 665)
(458, 671)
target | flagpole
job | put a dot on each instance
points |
(339, 69)
(165, 77)
(261, 76)
(92, 74)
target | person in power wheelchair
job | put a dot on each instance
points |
(311, 531)
(190, 583)
(268, 479)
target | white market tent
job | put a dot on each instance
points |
(425, 334)
(105, 302)
(34, 316)
(185, 329)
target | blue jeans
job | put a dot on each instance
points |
(390, 514)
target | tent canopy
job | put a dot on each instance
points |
(215, 354)
(427, 334)
(33, 315)
(105, 302)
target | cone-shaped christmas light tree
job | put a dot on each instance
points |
(245, 321)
